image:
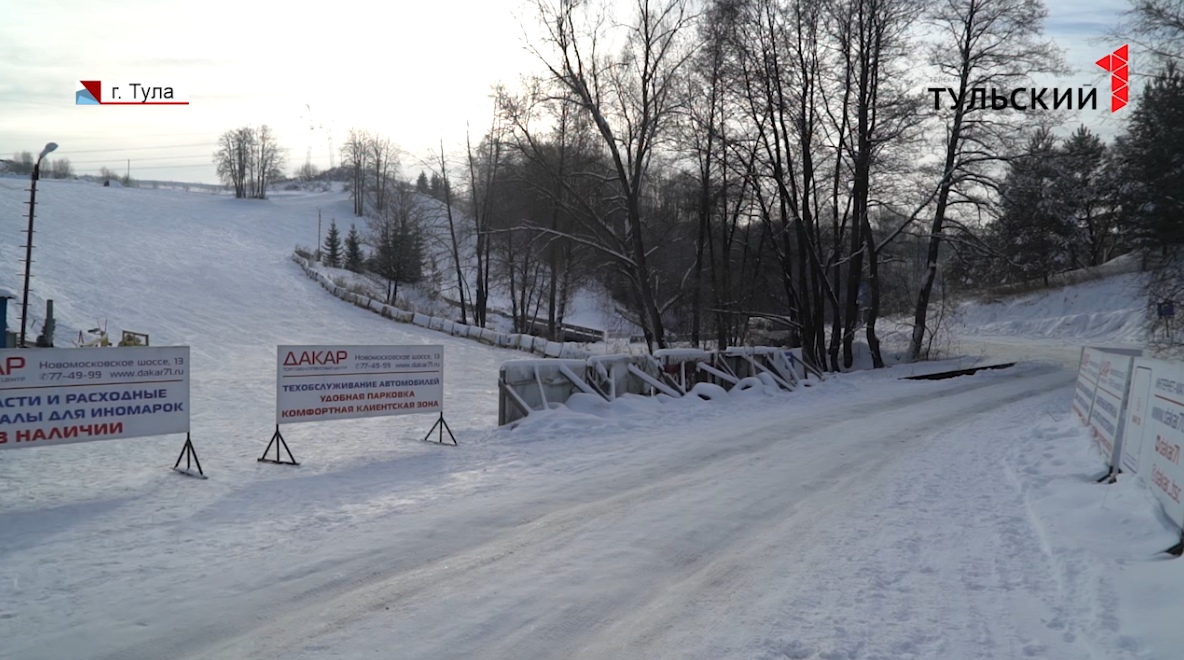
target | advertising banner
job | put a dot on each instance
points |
(57, 396)
(1106, 418)
(1136, 416)
(1161, 424)
(1087, 382)
(319, 383)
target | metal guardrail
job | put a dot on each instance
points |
(529, 386)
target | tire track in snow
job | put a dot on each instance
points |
(856, 551)
(653, 585)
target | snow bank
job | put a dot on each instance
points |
(1110, 310)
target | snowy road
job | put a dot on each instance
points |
(865, 518)
(775, 526)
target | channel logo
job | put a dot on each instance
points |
(95, 92)
(1117, 63)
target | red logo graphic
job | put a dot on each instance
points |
(11, 364)
(1116, 64)
(315, 358)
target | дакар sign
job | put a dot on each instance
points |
(57, 396)
(318, 383)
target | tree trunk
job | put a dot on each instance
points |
(917, 341)
(460, 276)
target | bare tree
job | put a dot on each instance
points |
(307, 172)
(234, 157)
(268, 165)
(454, 243)
(355, 157)
(484, 167)
(249, 160)
(984, 45)
(631, 100)
(782, 61)
(1156, 27)
(60, 168)
(874, 47)
(383, 163)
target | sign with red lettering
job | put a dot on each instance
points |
(1160, 415)
(57, 396)
(319, 383)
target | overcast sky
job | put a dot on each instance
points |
(414, 71)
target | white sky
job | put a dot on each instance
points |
(413, 71)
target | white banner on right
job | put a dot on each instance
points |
(1156, 432)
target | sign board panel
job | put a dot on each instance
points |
(57, 396)
(1163, 435)
(320, 383)
(1087, 382)
(1107, 416)
(1136, 417)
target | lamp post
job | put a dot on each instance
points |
(29, 237)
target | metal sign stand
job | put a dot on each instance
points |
(188, 453)
(443, 426)
(1178, 549)
(277, 439)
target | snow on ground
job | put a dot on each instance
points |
(1108, 310)
(866, 517)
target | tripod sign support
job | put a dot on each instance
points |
(277, 439)
(190, 456)
(443, 426)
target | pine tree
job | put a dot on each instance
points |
(353, 250)
(1087, 194)
(1035, 226)
(1151, 166)
(399, 257)
(421, 184)
(332, 254)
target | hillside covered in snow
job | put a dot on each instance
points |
(866, 517)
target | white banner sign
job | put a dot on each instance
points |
(1162, 434)
(57, 396)
(318, 383)
(1087, 382)
(1105, 420)
(1136, 416)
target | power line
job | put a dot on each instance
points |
(208, 157)
(121, 150)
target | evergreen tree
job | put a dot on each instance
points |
(1034, 228)
(421, 184)
(399, 257)
(1151, 166)
(436, 186)
(332, 254)
(1087, 193)
(353, 250)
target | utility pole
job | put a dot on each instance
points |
(318, 250)
(29, 239)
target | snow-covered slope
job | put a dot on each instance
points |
(1109, 310)
(863, 518)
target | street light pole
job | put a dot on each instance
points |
(29, 237)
